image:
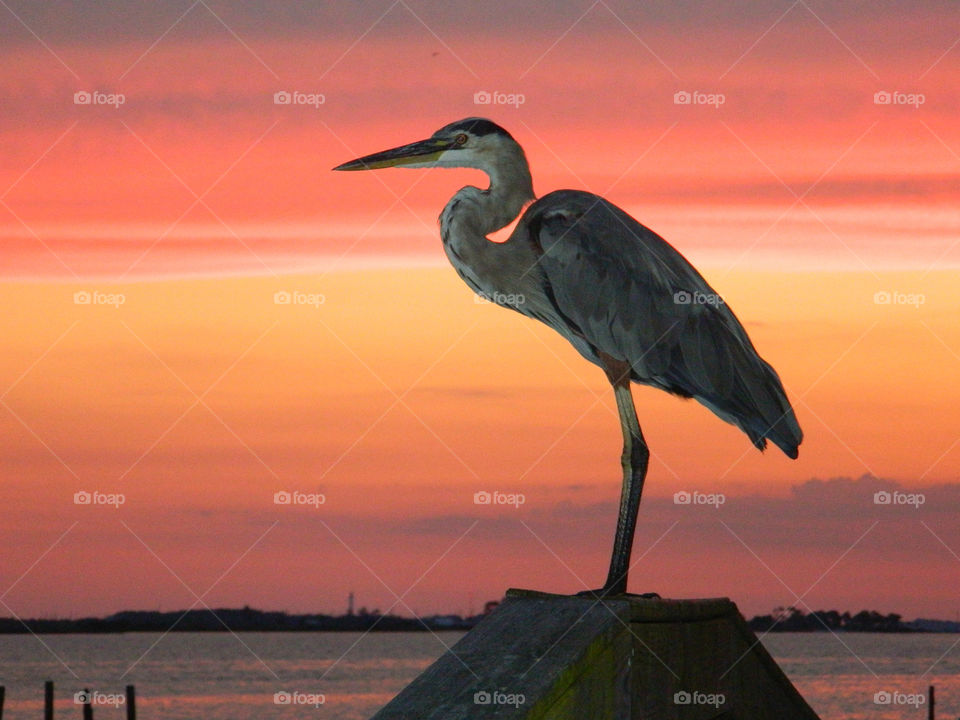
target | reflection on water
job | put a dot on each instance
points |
(850, 676)
(184, 676)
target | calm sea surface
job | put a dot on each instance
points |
(218, 676)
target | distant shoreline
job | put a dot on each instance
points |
(792, 619)
(235, 620)
(251, 620)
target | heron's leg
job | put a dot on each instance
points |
(635, 459)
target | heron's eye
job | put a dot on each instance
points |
(461, 139)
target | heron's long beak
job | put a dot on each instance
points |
(420, 152)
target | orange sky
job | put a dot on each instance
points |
(399, 396)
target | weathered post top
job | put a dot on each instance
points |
(540, 656)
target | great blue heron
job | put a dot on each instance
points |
(623, 297)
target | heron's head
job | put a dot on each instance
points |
(472, 143)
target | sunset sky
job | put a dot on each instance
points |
(826, 216)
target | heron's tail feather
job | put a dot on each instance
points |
(723, 371)
(771, 419)
(774, 418)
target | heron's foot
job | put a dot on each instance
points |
(610, 590)
(603, 593)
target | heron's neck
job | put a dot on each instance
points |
(511, 188)
(476, 213)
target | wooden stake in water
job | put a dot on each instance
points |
(48, 700)
(131, 703)
(3, 694)
(87, 707)
(930, 702)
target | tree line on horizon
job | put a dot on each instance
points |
(794, 619)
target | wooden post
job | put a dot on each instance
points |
(556, 657)
(3, 694)
(48, 700)
(931, 714)
(131, 703)
(87, 707)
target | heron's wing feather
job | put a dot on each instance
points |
(631, 295)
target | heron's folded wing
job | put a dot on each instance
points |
(628, 290)
(635, 297)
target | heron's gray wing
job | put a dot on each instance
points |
(631, 295)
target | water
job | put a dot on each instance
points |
(841, 675)
(185, 676)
